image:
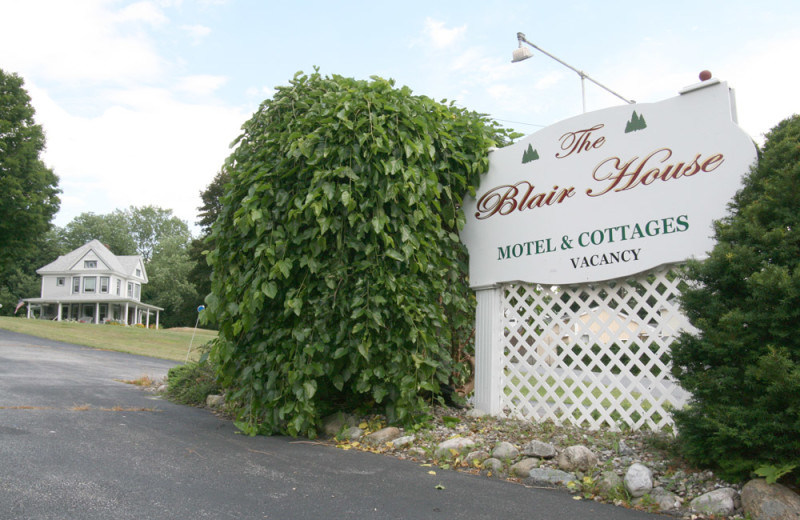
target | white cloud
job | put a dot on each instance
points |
(550, 79)
(148, 149)
(77, 42)
(439, 35)
(201, 84)
(765, 82)
(196, 32)
(146, 12)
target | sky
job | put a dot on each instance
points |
(140, 100)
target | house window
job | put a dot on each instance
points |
(119, 286)
(90, 264)
(89, 284)
(138, 291)
(76, 284)
(104, 284)
(130, 289)
(139, 273)
(61, 281)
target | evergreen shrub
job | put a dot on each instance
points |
(742, 367)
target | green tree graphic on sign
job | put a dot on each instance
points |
(636, 123)
(529, 155)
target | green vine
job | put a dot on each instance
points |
(339, 279)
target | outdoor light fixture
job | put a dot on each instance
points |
(523, 53)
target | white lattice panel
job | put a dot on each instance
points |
(592, 355)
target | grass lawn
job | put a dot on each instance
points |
(165, 343)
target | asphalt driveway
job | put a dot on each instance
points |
(76, 443)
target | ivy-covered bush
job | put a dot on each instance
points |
(338, 274)
(743, 367)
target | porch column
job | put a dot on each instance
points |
(59, 311)
(126, 313)
(147, 319)
(487, 349)
(28, 306)
(97, 313)
(157, 319)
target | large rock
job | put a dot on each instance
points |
(336, 422)
(548, 477)
(382, 436)
(493, 466)
(610, 485)
(352, 434)
(543, 450)
(523, 468)
(764, 501)
(721, 502)
(577, 458)
(403, 442)
(661, 498)
(446, 449)
(476, 457)
(638, 480)
(505, 451)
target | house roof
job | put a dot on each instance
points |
(120, 264)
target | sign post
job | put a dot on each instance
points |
(600, 196)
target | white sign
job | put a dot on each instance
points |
(610, 193)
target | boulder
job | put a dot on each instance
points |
(548, 477)
(382, 436)
(479, 456)
(352, 434)
(577, 458)
(505, 451)
(638, 480)
(721, 502)
(336, 422)
(610, 484)
(457, 444)
(403, 442)
(523, 468)
(543, 450)
(493, 465)
(762, 501)
(662, 499)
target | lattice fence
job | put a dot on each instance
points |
(593, 355)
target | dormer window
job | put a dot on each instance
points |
(90, 264)
(139, 273)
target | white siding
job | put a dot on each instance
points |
(50, 289)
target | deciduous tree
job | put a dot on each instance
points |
(112, 229)
(28, 189)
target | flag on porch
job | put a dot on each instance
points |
(19, 304)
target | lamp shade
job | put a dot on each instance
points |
(522, 53)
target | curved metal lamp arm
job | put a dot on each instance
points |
(521, 39)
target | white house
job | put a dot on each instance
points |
(92, 284)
